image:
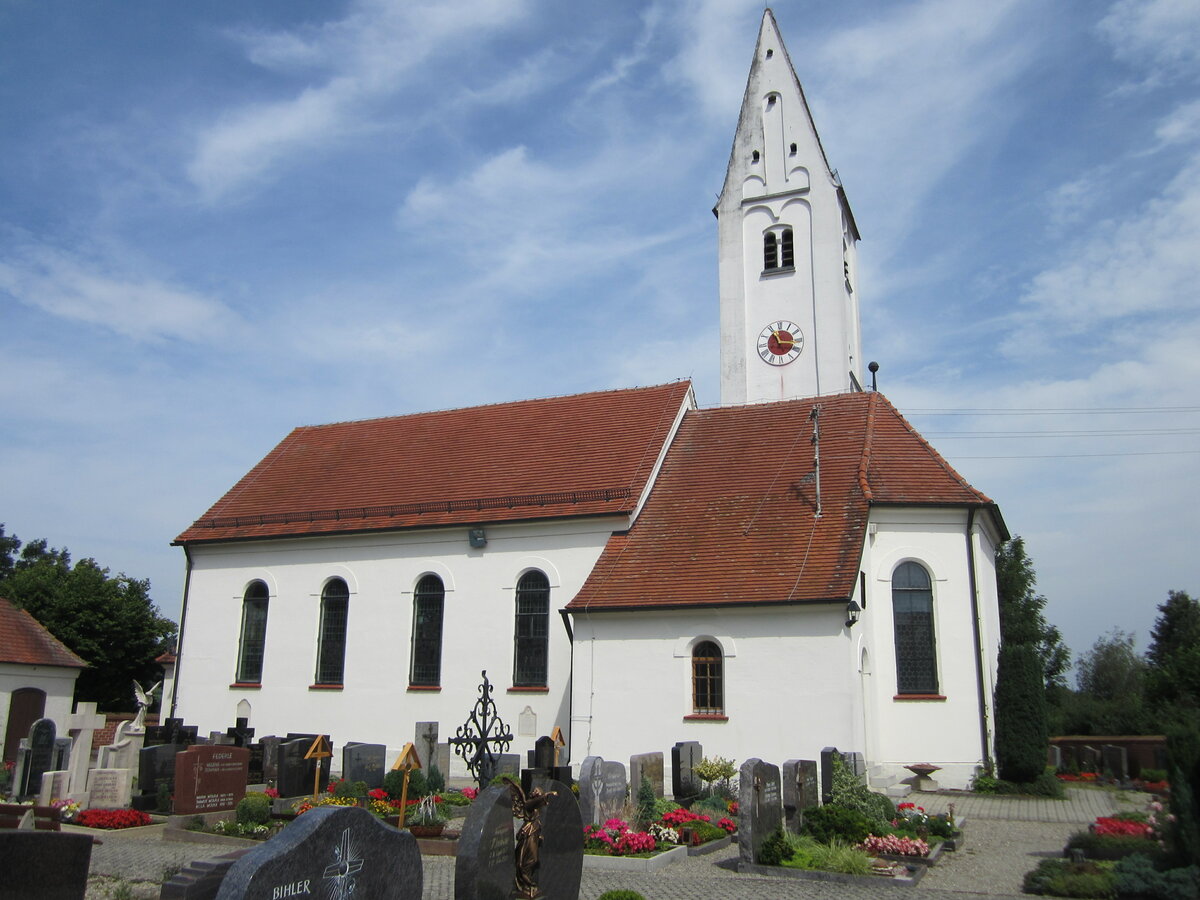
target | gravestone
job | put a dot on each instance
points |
(760, 808)
(800, 791)
(220, 738)
(38, 759)
(241, 732)
(561, 866)
(123, 752)
(484, 866)
(527, 722)
(602, 791)
(542, 766)
(685, 786)
(62, 753)
(1115, 760)
(172, 731)
(827, 756)
(649, 765)
(254, 768)
(425, 741)
(857, 764)
(53, 865)
(508, 764)
(296, 774)
(156, 768)
(55, 785)
(1054, 757)
(109, 788)
(270, 758)
(1089, 759)
(210, 779)
(201, 878)
(364, 762)
(444, 756)
(83, 722)
(336, 852)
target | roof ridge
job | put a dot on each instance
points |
(937, 457)
(864, 462)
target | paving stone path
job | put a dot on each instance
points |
(1005, 838)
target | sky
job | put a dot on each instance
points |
(222, 220)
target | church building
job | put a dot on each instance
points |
(795, 569)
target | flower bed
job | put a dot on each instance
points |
(112, 818)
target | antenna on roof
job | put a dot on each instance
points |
(874, 367)
(815, 417)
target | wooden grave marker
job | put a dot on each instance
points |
(406, 762)
(318, 751)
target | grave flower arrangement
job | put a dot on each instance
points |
(616, 838)
(67, 809)
(112, 818)
(912, 820)
(894, 845)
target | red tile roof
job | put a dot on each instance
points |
(586, 454)
(24, 640)
(731, 519)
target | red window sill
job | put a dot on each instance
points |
(919, 697)
(325, 687)
(529, 689)
(427, 688)
(708, 717)
(246, 685)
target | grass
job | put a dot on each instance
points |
(836, 856)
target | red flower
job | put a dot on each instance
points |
(111, 818)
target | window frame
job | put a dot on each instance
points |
(914, 640)
(332, 635)
(425, 649)
(708, 679)
(531, 630)
(252, 637)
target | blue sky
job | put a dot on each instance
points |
(222, 220)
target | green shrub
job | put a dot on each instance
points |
(253, 809)
(645, 802)
(1136, 877)
(1044, 785)
(1112, 846)
(829, 823)
(1063, 878)
(1021, 737)
(344, 788)
(839, 856)
(393, 783)
(435, 780)
(621, 895)
(775, 849)
(662, 806)
(711, 806)
(717, 774)
(706, 831)
(849, 792)
(1153, 775)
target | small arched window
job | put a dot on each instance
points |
(331, 648)
(428, 604)
(912, 614)
(787, 253)
(254, 633)
(770, 251)
(708, 680)
(532, 631)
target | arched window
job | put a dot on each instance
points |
(770, 251)
(254, 633)
(787, 253)
(532, 631)
(331, 651)
(708, 680)
(912, 613)
(428, 602)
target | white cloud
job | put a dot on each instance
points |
(83, 289)
(623, 65)
(1182, 126)
(1160, 36)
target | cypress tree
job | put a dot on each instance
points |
(1021, 738)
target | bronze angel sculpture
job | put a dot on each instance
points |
(528, 807)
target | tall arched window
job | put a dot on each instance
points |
(428, 603)
(331, 650)
(770, 251)
(532, 631)
(708, 680)
(786, 251)
(912, 613)
(254, 633)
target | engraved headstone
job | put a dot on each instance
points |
(1115, 760)
(156, 769)
(39, 759)
(760, 807)
(800, 791)
(602, 790)
(827, 773)
(1089, 759)
(55, 785)
(527, 722)
(296, 774)
(172, 731)
(649, 765)
(241, 732)
(123, 752)
(210, 779)
(62, 753)
(329, 851)
(254, 769)
(270, 758)
(109, 788)
(685, 786)
(1054, 757)
(508, 764)
(364, 762)
(484, 867)
(83, 723)
(48, 865)
(425, 740)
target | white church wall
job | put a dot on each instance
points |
(789, 676)
(58, 683)
(943, 731)
(376, 703)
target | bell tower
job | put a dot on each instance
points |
(787, 247)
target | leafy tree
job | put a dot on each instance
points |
(1021, 617)
(1021, 735)
(1173, 675)
(108, 621)
(1112, 669)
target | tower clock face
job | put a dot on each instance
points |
(780, 342)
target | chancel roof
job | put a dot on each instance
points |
(24, 640)
(586, 454)
(732, 518)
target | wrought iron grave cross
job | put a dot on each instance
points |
(482, 731)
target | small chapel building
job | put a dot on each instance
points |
(795, 569)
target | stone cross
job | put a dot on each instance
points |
(241, 732)
(84, 721)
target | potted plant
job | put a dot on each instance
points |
(427, 820)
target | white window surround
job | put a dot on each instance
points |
(685, 645)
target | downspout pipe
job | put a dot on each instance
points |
(187, 585)
(973, 587)
(566, 619)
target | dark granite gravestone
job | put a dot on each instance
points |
(602, 790)
(484, 866)
(364, 762)
(508, 764)
(827, 773)
(685, 786)
(1054, 757)
(270, 758)
(857, 763)
(425, 741)
(172, 731)
(800, 791)
(241, 732)
(296, 773)
(156, 766)
(210, 779)
(760, 808)
(562, 842)
(254, 768)
(649, 765)
(1115, 761)
(541, 765)
(543, 753)
(47, 865)
(329, 852)
(1089, 759)
(62, 753)
(39, 759)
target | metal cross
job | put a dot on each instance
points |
(474, 739)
